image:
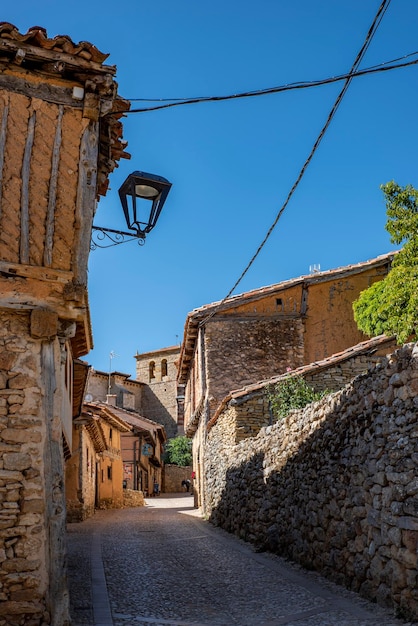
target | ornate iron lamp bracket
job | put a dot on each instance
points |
(108, 237)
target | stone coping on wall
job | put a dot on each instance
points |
(382, 342)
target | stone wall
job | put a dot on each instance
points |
(80, 477)
(333, 486)
(240, 351)
(158, 371)
(173, 476)
(32, 505)
(132, 498)
(337, 375)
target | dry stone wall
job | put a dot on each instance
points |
(333, 486)
(133, 498)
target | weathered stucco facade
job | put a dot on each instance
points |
(333, 486)
(56, 151)
(263, 333)
(142, 447)
(94, 473)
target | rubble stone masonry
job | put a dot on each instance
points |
(240, 351)
(333, 486)
(32, 508)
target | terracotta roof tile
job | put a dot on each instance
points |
(37, 36)
(307, 278)
(361, 348)
(199, 315)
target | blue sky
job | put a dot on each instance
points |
(233, 163)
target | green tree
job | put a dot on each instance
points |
(291, 393)
(178, 451)
(390, 306)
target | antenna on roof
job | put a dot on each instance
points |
(112, 355)
(313, 269)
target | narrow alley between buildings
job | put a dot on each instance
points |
(163, 565)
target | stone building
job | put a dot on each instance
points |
(142, 453)
(57, 148)
(263, 333)
(127, 393)
(142, 445)
(94, 472)
(332, 486)
(161, 396)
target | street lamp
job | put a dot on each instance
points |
(142, 197)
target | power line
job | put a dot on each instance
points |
(176, 102)
(370, 34)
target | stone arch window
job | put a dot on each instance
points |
(164, 369)
(151, 370)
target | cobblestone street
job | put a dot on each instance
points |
(163, 565)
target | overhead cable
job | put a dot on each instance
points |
(176, 102)
(370, 34)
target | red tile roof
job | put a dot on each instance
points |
(204, 313)
(37, 36)
(365, 347)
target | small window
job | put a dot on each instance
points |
(279, 302)
(110, 434)
(151, 370)
(163, 368)
(109, 472)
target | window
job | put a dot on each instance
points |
(163, 368)
(110, 434)
(109, 472)
(152, 370)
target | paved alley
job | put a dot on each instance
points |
(162, 565)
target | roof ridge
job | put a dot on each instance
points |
(37, 36)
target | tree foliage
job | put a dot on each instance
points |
(390, 306)
(178, 451)
(291, 393)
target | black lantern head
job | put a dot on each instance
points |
(142, 197)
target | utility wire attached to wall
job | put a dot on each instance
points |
(371, 32)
